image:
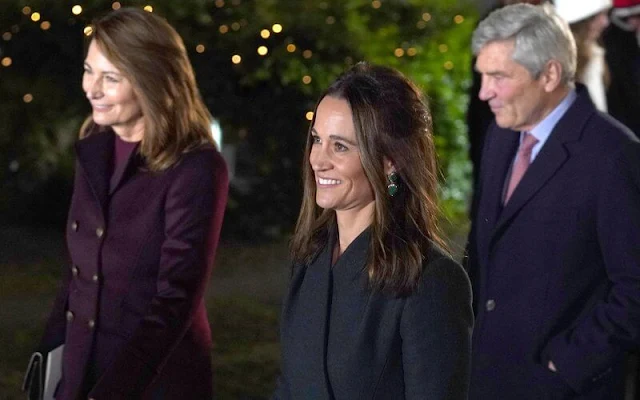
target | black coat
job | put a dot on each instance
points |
(556, 272)
(381, 347)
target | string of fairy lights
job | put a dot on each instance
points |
(236, 58)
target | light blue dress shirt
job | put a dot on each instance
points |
(543, 130)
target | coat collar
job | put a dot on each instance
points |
(551, 157)
(317, 281)
(354, 258)
(95, 156)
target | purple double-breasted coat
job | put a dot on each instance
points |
(131, 311)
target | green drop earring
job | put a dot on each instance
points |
(392, 187)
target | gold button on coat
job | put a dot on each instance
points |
(91, 323)
(74, 226)
(99, 232)
(69, 316)
(94, 278)
(75, 271)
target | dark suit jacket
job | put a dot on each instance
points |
(131, 309)
(556, 272)
(385, 347)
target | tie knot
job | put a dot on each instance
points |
(528, 142)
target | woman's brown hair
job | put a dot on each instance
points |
(581, 30)
(392, 121)
(151, 54)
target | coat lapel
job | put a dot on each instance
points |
(313, 334)
(553, 155)
(548, 161)
(125, 170)
(94, 154)
(354, 258)
(499, 159)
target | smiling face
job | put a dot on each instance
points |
(112, 97)
(516, 99)
(341, 183)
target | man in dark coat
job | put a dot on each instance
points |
(479, 115)
(553, 252)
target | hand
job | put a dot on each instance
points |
(552, 366)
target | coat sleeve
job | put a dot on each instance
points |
(194, 207)
(586, 352)
(435, 327)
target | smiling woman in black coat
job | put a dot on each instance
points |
(375, 309)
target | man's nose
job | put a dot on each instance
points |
(485, 92)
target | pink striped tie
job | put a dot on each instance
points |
(522, 163)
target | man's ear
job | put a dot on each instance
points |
(551, 75)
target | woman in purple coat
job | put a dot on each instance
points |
(149, 196)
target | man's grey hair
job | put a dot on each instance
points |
(539, 35)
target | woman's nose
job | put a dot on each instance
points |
(95, 89)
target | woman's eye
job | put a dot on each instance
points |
(111, 79)
(315, 139)
(341, 147)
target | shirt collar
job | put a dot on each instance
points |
(543, 130)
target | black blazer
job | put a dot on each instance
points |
(556, 272)
(382, 347)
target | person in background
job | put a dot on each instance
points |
(479, 115)
(375, 308)
(587, 21)
(553, 249)
(622, 43)
(149, 195)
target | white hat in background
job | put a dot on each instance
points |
(577, 10)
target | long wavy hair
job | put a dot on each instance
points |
(584, 45)
(151, 54)
(392, 121)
